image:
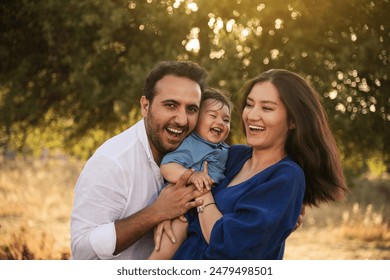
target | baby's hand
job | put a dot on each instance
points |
(201, 180)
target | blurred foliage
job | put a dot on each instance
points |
(72, 72)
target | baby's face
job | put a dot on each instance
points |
(214, 121)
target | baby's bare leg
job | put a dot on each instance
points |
(167, 248)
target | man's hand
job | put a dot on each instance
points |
(176, 199)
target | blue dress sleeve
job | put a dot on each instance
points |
(262, 218)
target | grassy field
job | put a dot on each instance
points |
(36, 201)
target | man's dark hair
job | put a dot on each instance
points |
(186, 69)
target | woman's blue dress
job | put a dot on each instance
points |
(258, 214)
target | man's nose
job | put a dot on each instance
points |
(181, 118)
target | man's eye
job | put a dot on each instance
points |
(193, 109)
(170, 105)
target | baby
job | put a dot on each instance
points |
(203, 149)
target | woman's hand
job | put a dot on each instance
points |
(300, 218)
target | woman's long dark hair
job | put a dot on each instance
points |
(311, 143)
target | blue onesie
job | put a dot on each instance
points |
(194, 151)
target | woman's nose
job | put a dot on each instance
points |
(255, 114)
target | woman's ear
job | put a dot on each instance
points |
(144, 106)
(291, 125)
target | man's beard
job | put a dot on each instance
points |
(155, 130)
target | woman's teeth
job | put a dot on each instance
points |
(254, 127)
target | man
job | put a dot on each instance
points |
(117, 201)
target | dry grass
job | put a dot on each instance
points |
(36, 200)
(365, 224)
(358, 228)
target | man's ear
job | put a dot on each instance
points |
(144, 106)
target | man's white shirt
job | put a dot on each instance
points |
(120, 179)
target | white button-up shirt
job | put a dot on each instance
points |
(120, 179)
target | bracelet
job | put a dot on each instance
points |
(201, 208)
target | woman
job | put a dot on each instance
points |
(291, 158)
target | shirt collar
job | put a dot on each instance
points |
(141, 132)
(214, 145)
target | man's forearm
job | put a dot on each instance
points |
(129, 230)
(173, 201)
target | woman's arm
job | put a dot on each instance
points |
(261, 220)
(208, 215)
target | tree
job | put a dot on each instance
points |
(82, 62)
(79, 66)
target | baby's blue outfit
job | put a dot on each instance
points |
(194, 151)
